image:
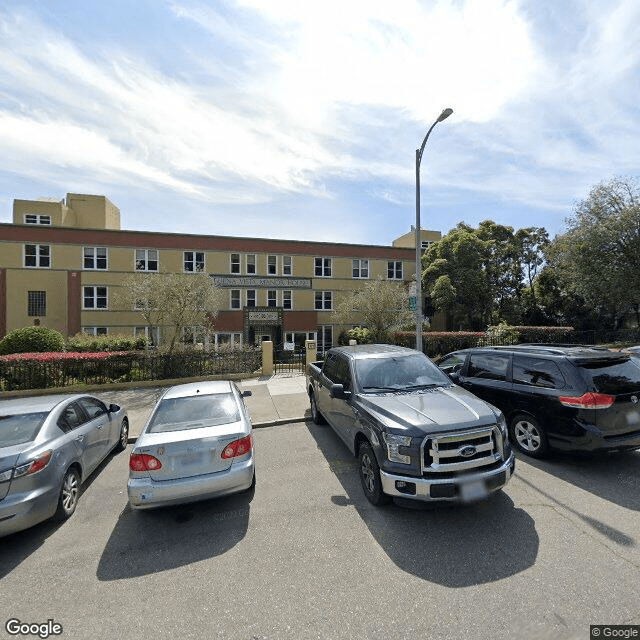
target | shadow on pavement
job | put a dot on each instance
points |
(147, 542)
(18, 546)
(452, 545)
(612, 477)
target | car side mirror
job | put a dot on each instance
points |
(114, 408)
(246, 393)
(455, 375)
(337, 391)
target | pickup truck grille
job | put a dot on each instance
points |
(454, 454)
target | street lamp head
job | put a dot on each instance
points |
(445, 114)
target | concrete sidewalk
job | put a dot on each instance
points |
(276, 399)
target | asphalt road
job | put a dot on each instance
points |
(306, 556)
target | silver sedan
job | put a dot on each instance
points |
(197, 444)
(48, 446)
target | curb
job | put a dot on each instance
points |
(257, 425)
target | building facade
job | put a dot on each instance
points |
(62, 263)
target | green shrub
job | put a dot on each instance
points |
(499, 334)
(85, 343)
(32, 340)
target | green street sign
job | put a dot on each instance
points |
(413, 303)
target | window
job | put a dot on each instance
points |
(322, 267)
(95, 331)
(287, 300)
(272, 298)
(251, 263)
(287, 266)
(488, 366)
(251, 297)
(152, 334)
(235, 263)
(360, 268)
(194, 336)
(537, 372)
(94, 298)
(343, 374)
(193, 261)
(94, 258)
(36, 218)
(228, 340)
(70, 418)
(37, 255)
(323, 301)
(93, 407)
(394, 269)
(36, 303)
(325, 337)
(235, 298)
(272, 265)
(425, 244)
(146, 260)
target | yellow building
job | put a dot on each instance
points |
(62, 262)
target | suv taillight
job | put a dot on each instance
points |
(588, 400)
(144, 462)
(237, 448)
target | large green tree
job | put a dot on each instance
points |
(598, 258)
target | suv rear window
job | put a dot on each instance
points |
(613, 378)
(537, 372)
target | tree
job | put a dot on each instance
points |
(172, 301)
(598, 258)
(381, 306)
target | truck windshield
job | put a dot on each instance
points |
(399, 373)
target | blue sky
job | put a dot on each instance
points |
(300, 120)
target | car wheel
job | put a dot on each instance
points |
(123, 440)
(528, 437)
(316, 416)
(370, 476)
(69, 494)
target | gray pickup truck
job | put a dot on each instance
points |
(416, 434)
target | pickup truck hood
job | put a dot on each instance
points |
(433, 410)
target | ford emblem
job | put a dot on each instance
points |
(634, 399)
(467, 451)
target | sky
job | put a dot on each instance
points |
(301, 120)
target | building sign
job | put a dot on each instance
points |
(263, 316)
(257, 281)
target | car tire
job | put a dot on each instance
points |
(123, 438)
(370, 476)
(69, 495)
(316, 416)
(528, 437)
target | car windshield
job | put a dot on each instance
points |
(399, 373)
(20, 428)
(614, 378)
(193, 412)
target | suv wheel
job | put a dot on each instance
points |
(528, 437)
(370, 476)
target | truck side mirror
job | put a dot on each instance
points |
(336, 391)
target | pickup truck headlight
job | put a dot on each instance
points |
(393, 442)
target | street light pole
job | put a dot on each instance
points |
(443, 116)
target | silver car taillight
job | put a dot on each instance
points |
(33, 466)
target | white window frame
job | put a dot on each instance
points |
(327, 298)
(146, 260)
(272, 265)
(287, 269)
(395, 270)
(233, 263)
(39, 256)
(37, 218)
(255, 298)
(288, 298)
(320, 341)
(233, 299)
(325, 265)
(254, 266)
(95, 297)
(193, 260)
(154, 340)
(359, 265)
(234, 339)
(271, 297)
(96, 331)
(95, 258)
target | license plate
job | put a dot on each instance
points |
(190, 459)
(475, 490)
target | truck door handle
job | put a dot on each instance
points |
(80, 438)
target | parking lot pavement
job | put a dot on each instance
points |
(306, 556)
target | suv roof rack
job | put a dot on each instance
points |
(559, 349)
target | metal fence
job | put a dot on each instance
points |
(50, 371)
(285, 360)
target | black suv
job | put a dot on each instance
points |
(567, 397)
